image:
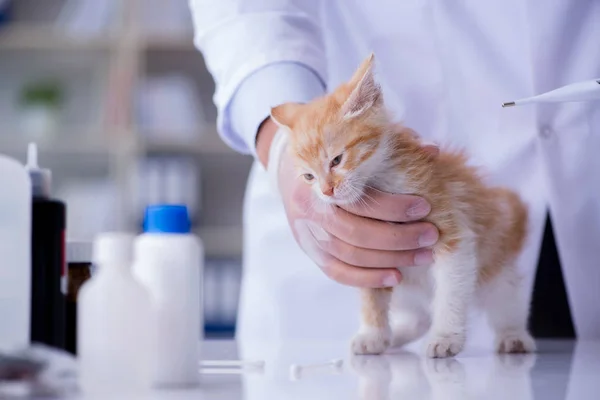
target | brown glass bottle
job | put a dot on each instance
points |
(79, 267)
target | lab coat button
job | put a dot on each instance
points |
(546, 132)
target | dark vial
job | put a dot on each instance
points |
(48, 264)
(48, 275)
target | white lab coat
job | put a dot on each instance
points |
(445, 68)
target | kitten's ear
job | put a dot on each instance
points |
(285, 115)
(364, 91)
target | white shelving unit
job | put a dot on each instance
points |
(208, 142)
(113, 133)
(46, 37)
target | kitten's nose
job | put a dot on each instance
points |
(327, 190)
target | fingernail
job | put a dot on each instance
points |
(424, 257)
(391, 280)
(428, 238)
(419, 209)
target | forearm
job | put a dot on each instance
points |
(279, 40)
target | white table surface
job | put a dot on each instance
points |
(560, 370)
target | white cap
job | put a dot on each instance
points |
(114, 248)
(41, 178)
(79, 252)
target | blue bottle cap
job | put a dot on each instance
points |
(167, 218)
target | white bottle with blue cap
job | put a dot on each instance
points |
(169, 262)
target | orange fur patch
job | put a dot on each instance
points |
(372, 300)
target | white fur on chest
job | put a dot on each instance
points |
(417, 276)
(417, 282)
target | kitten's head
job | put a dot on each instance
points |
(338, 141)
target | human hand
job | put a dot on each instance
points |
(362, 244)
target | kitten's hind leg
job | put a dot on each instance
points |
(408, 326)
(374, 335)
(507, 307)
(410, 319)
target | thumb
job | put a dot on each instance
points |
(431, 149)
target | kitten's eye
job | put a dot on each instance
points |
(336, 160)
(309, 177)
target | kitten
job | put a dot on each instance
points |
(344, 143)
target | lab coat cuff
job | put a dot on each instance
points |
(268, 87)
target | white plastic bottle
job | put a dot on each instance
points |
(15, 255)
(114, 323)
(169, 262)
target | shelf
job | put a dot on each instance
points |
(48, 37)
(208, 142)
(225, 241)
(94, 143)
(178, 41)
(61, 146)
(39, 37)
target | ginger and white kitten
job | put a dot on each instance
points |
(344, 143)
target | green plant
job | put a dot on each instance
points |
(48, 93)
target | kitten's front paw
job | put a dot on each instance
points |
(515, 343)
(371, 342)
(448, 345)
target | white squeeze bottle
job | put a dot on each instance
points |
(169, 262)
(114, 323)
(15, 255)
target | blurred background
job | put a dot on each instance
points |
(120, 104)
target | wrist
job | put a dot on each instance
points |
(264, 139)
(275, 83)
(276, 151)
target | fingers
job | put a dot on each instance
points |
(310, 237)
(432, 150)
(389, 207)
(361, 277)
(368, 258)
(378, 235)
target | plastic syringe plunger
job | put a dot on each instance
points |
(41, 178)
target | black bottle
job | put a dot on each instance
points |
(48, 264)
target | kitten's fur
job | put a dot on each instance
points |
(482, 229)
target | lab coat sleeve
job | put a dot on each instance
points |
(265, 51)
